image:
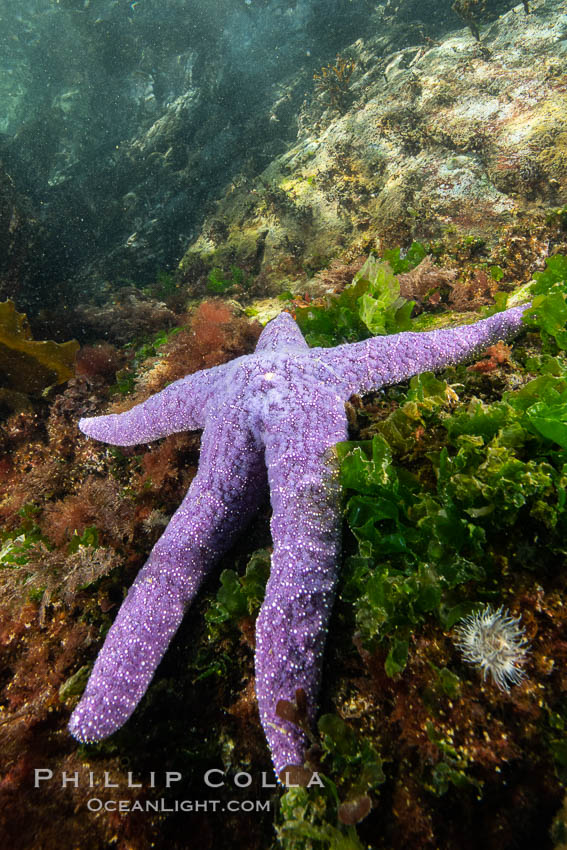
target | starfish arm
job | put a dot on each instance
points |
(306, 530)
(181, 406)
(281, 332)
(228, 488)
(376, 362)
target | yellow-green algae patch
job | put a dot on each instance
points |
(30, 365)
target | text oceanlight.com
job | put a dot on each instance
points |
(95, 804)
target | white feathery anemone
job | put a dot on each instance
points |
(495, 642)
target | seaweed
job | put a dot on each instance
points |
(333, 81)
(239, 597)
(549, 306)
(218, 282)
(370, 305)
(30, 365)
(499, 465)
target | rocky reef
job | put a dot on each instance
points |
(440, 140)
(198, 173)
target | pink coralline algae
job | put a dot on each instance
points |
(270, 420)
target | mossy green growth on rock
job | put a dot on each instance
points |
(31, 365)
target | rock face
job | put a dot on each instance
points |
(436, 140)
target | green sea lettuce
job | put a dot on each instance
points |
(549, 305)
(369, 306)
(433, 496)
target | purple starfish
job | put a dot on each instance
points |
(270, 418)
